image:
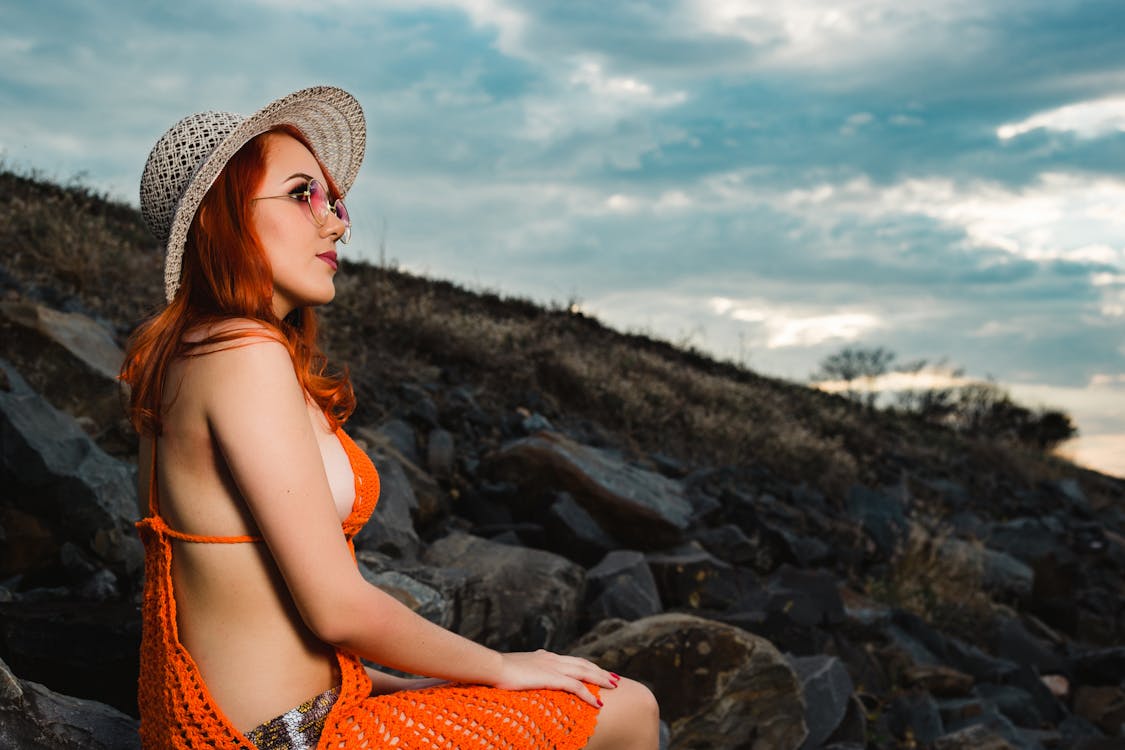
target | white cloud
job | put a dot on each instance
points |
(1088, 119)
(834, 34)
(1101, 380)
(1058, 217)
(794, 327)
(855, 122)
(818, 329)
(621, 204)
(591, 101)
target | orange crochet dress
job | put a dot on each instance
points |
(177, 711)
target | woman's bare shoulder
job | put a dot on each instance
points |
(239, 359)
(228, 333)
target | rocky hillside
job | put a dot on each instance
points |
(786, 569)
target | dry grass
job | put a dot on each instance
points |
(942, 588)
(73, 248)
(71, 242)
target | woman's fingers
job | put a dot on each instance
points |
(587, 671)
(544, 669)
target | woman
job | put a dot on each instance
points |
(255, 614)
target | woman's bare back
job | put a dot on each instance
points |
(235, 615)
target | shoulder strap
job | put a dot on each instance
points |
(153, 500)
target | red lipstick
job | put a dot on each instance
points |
(330, 258)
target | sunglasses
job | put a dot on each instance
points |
(316, 195)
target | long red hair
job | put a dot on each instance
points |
(226, 275)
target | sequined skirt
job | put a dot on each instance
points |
(298, 728)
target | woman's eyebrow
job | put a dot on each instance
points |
(302, 175)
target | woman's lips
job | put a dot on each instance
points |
(330, 258)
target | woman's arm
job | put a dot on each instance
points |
(383, 683)
(258, 416)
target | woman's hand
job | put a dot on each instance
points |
(543, 669)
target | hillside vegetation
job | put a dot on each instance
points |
(74, 249)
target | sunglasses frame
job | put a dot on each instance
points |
(306, 195)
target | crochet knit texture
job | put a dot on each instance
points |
(177, 711)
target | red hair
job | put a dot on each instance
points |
(226, 275)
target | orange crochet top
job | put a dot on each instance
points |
(178, 712)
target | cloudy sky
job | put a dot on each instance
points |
(766, 181)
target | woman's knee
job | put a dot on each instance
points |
(629, 718)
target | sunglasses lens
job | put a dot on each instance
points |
(318, 201)
(342, 212)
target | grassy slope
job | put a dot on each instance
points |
(73, 249)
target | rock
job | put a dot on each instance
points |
(999, 572)
(533, 422)
(1071, 491)
(1104, 666)
(81, 648)
(432, 502)
(992, 723)
(970, 659)
(621, 586)
(420, 597)
(1012, 641)
(669, 466)
(520, 598)
(959, 712)
(1103, 705)
(421, 406)
(1057, 684)
(643, 509)
(69, 359)
(921, 631)
(938, 680)
(880, 515)
(33, 717)
(793, 608)
(1058, 571)
(391, 528)
(807, 597)
(769, 544)
(827, 690)
(460, 405)
(488, 504)
(719, 687)
(851, 734)
(974, 737)
(574, 533)
(85, 340)
(52, 470)
(402, 437)
(1099, 743)
(915, 715)
(440, 453)
(1074, 729)
(1011, 701)
(694, 578)
(1028, 679)
(728, 543)
(10, 688)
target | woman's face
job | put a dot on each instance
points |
(301, 254)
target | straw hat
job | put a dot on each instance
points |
(187, 159)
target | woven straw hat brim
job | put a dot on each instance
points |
(187, 160)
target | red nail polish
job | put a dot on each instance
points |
(615, 675)
(600, 704)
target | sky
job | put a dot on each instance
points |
(768, 182)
